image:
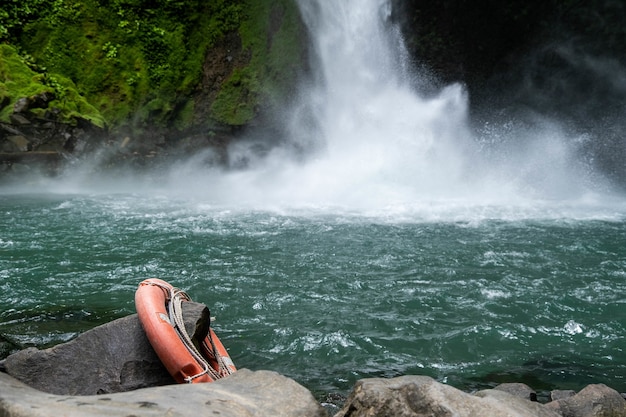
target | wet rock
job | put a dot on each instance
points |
(113, 357)
(595, 400)
(245, 393)
(7, 345)
(40, 100)
(559, 394)
(19, 119)
(519, 390)
(21, 105)
(8, 146)
(422, 396)
(4, 101)
(19, 143)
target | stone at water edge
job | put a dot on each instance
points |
(243, 394)
(422, 396)
(595, 400)
(113, 357)
(559, 394)
(519, 390)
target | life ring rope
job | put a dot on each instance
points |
(174, 298)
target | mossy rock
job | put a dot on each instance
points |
(18, 80)
(272, 36)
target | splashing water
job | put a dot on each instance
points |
(369, 142)
(372, 142)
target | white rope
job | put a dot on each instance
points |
(174, 303)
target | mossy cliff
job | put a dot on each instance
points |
(150, 67)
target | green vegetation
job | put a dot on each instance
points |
(139, 62)
(18, 80)
(273, 38)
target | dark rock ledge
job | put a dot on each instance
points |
(111, 370)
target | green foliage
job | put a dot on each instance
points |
(71, 103)
(16, 13)
(238, 97)
(186, 115)
(270, 31)
(18, 80)
(141, 61)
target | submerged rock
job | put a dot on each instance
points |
(559, 394)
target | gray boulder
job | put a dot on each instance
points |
(559, 394)
(519, 390)
(113, 357)
(422, 396)
(117, 357)
(245, 393)
(595, 400)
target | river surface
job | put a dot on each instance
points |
(387, 236)
(326, 295)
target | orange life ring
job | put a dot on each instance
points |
(151, 300)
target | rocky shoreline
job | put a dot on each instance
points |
(112, 370)
(39, 143)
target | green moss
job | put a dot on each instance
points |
(238, 97)
(17, 80)
(185, 115)
(96, 64)
(71, 103)
(270, 31)
(138, 62)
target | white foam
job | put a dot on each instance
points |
(373, 145)
(369, 144)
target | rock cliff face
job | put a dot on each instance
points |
(146, 81)
(521, 60)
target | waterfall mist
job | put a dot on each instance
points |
(368, 138)
(368, 132)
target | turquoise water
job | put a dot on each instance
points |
(326, 296)
(385, 237)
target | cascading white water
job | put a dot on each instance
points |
(371, 141)
(379, 135)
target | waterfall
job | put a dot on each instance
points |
(376, 131)
(368, 139)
